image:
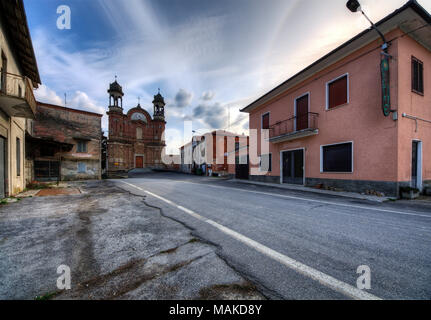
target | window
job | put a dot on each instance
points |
(82, 167)
(236, 146)
(417, 76)
(266, 162)
(81, 147)
(337, 92)
(139, 133)
(265, 121)
(18, 157)
(337, 158)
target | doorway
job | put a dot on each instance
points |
(2, 167)
(293, 167)
(301, 112)
(417, 165)
(241, 168)
(139, 162)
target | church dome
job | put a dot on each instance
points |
(158, 98)
(115, 87)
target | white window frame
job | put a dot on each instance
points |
(295, 107)
(348, 91)
(420, 164)
(336, 144)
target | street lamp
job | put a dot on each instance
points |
(355, 6)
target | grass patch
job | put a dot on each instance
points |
(38, 186)
(47, 296)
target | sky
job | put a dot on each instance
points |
(209, 58)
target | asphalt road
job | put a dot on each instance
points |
(299, 245)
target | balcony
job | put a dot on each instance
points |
(16, 96)
(294, 128)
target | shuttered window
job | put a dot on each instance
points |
(417, 76)
(82, 167)
(337, 92)
(265, 121)
(337, 158)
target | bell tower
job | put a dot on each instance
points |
(159, 107)
(115, 97)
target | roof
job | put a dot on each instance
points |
(401, 18)
(15, 22)
(53, 106)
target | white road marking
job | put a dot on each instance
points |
(299, 267)
(311, 200)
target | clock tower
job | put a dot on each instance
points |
(135, 139)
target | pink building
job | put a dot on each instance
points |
(326, 125)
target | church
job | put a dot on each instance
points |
(135, 139)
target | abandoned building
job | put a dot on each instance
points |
(135, 139)
(18, 76)
(64, 145)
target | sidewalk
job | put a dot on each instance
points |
(314, 190)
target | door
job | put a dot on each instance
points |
(416, 165)
(139, 162)
(293, 167)
(302, 113)
(241, 170)
(2, 168)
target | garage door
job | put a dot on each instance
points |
(47, 170)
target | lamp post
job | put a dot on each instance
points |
(355, 6)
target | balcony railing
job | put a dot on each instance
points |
(16, 93)
(294, 128)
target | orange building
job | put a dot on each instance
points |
(326, 125)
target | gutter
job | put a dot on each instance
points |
(416, 119)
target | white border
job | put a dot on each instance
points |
(281, 163)
(348, 90)
(295, 105)
(335, 144)
(420, 164)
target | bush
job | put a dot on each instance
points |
(409, 189)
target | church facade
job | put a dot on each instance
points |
(135, 139)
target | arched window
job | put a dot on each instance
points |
(139, 133)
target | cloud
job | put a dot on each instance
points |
(214, 116)
(183, 98)
(208, 95)
(45, 94)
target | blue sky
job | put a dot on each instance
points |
(209, 58)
